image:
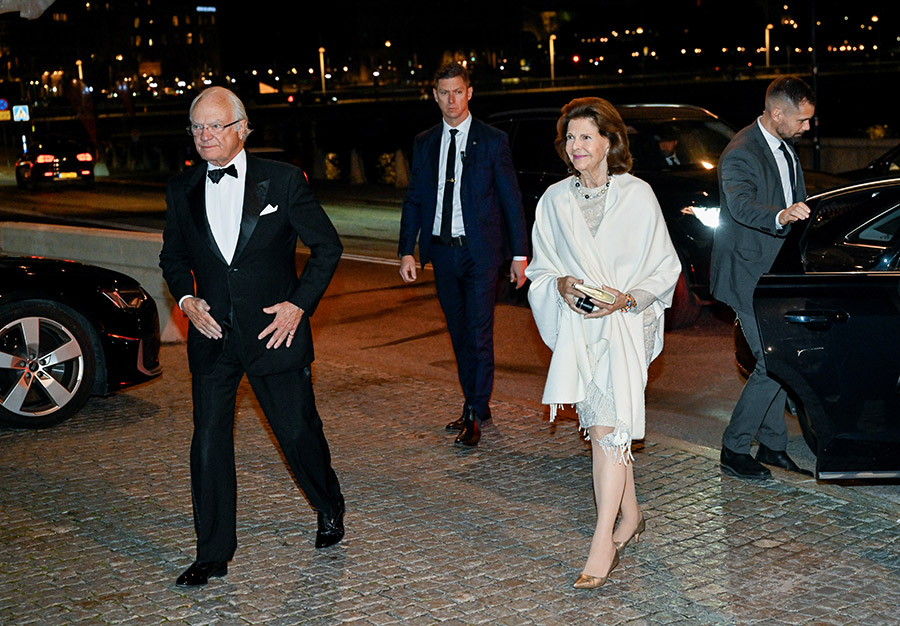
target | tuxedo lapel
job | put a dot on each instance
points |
(196, 192)
(255, 189)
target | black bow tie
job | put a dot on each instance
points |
(216, 175)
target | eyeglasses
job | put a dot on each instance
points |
(195, 130)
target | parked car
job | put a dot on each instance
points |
(885, 166)
(688, 191)
(829, 317)
(54, 160)
(68, 331)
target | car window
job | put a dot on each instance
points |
(880, 230)
(852, 231)
(695, 143)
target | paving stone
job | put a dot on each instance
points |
(95, 523)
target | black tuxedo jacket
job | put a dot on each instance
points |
(263, 269)
(491, 201)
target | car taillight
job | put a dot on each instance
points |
(85, 156)
(45, 158)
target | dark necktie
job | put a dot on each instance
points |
(449, 180)
(216, 175)
(791, 174)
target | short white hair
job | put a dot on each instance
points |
(237, 107)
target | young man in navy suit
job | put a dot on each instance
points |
(228, 256)
(464, 207)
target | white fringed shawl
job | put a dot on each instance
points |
(631, 251)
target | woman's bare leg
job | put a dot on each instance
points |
(610, 480)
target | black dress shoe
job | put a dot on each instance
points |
(471, 431)
(778, 459)
(331, 530)
(742, 466)
(457, 424)
(199, 573)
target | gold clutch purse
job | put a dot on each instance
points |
(600, 295)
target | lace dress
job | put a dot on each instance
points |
(598, 407)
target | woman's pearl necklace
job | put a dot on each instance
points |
(592, 194)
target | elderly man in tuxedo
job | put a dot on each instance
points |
(762, 192)
(464, 206)
(228, 257)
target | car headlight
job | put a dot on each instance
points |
(131, 298)
(708, 215)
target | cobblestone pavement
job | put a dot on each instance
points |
(95, 523)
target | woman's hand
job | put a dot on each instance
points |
(568, 293)
(601, 309)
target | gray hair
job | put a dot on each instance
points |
(237, 107)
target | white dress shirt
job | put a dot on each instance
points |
(775, 146)
(457, 229)
(224, 206)
(224, 203)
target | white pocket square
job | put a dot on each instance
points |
(269, 209)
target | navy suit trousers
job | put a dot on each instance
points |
(467, 293)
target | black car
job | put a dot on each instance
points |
(885, 166)
(54, 160)
(67, 331)
(829, 317)
(687, 188)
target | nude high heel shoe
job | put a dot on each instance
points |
(636, 535)
(592, 582)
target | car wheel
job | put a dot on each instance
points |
(47, 364)
(21, 181)
(685, 307)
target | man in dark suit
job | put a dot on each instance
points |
(464, 206)
(228, 257)
(762, 191)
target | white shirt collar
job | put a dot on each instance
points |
(773, 141)
(462, 127)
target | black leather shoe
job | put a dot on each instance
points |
(330, 531)
(471, 431)
(778, 459)
(199, 573)
(457, 424)
(742, 466)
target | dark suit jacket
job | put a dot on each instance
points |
(746, 241)
(263, 269)
(491, 200)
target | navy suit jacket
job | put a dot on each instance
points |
(746, 241)
(263, 269)
(491, 201)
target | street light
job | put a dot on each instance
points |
(769, 27)
(552, 59)
(322, 67)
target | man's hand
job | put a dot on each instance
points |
(283, 327)
(408, 268)
(197, 311)
(517, 272)
(793, 213)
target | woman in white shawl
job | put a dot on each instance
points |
(602, 227)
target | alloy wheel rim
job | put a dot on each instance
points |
(41, 366)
